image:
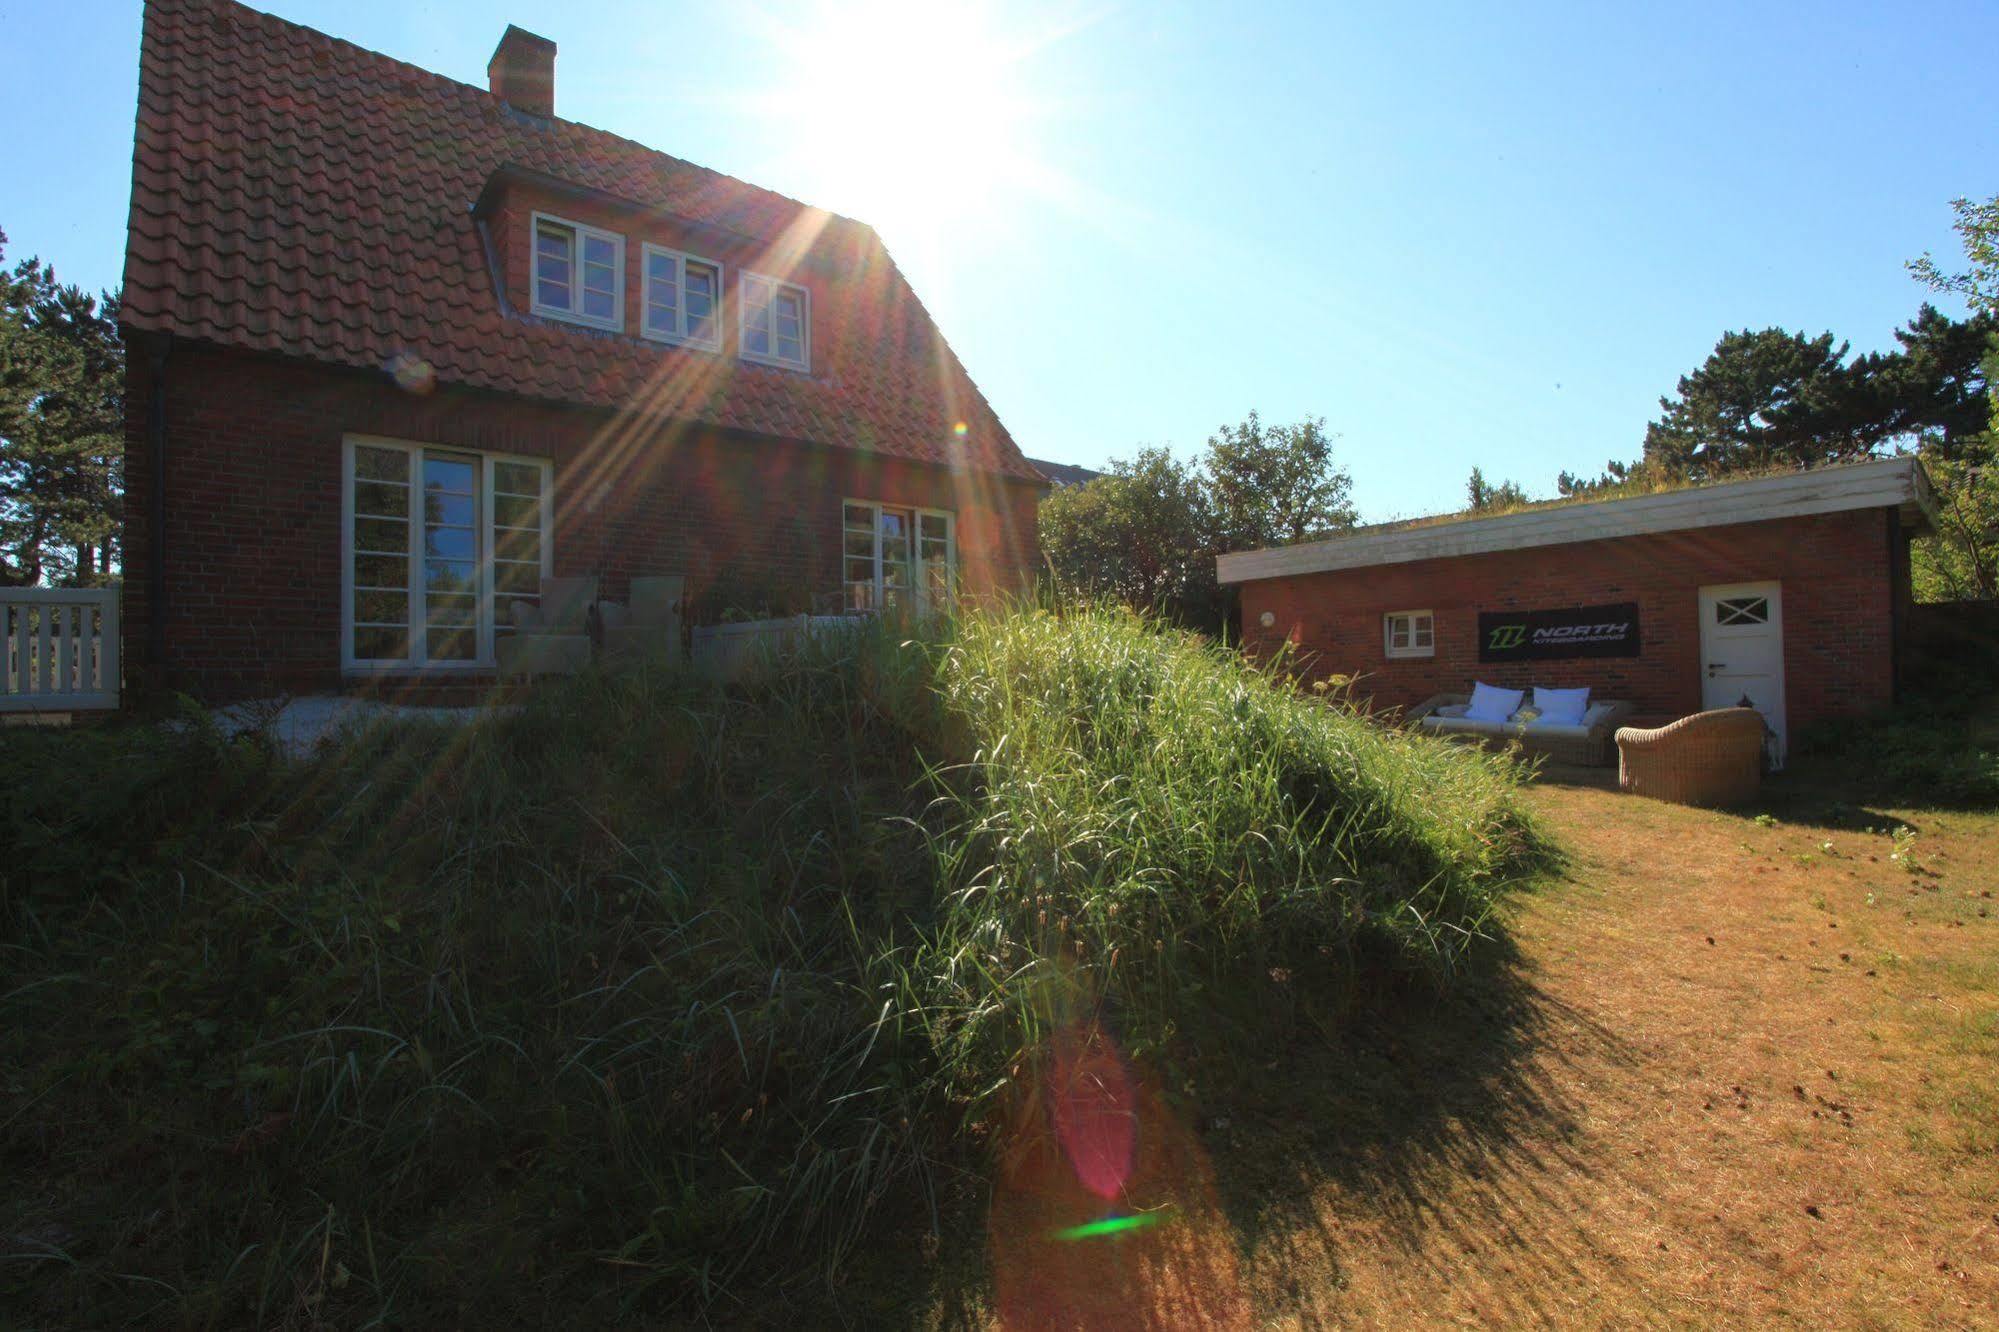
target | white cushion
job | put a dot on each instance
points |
(1450, 710)
(1561, 707)
(1490, 704)
(1597, 712)
(1552, 730)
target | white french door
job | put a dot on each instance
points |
(898, 558)
(437, 545)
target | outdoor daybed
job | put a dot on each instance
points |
(1588, 744)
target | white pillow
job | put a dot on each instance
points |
(1561, 707)
(1489, 704)
(1597, 712)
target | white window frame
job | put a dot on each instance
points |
(678, 336)
(1414, 618)
(417, 660)
(573, 313)
(921, 584)
(747, 280)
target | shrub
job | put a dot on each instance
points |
(592, 1008)
(1935, 749)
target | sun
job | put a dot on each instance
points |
(917, 117)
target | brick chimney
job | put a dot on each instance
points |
(522, 72)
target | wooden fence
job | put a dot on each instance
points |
(58, 649)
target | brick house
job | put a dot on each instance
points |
(1792, 590)
(350, 282)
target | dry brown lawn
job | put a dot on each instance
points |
(1757, 1082)
(1732, 1071)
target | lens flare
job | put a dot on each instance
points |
(1113, 1225)
(1089, 1134)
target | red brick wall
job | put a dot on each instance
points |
(1839, 575)
(253, 506)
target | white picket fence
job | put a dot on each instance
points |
(60, 649)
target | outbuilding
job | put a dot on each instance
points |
(1791, 591)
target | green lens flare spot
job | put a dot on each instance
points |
(1113, 1225)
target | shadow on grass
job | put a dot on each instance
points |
(1423, 1093)
(1418, 1094)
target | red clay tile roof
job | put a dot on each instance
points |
(296, 194)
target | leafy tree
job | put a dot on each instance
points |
(1484, 496)
(61, 429)
(1977, 227)
(1962, 559)
(1268, 485)
(1139, 534)
(1148, 533)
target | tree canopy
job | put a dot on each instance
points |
(62, 436)
(1149, 531)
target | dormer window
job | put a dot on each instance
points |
(579, 273)
(776, 323)
(683, 298)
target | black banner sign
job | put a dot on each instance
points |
(1541, 635)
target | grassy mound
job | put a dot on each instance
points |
(620, 1002)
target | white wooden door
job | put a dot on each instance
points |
(1742, 652)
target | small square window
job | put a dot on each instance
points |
(683, 298)
(579, 273)
(1409, 634)
(776, 322)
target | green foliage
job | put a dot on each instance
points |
(1960, 561)
(1148, 533)
(62, 434)
(1977, 227)
(1942, 750)
(1272, 485)
(1762, 398)
(1182, 840)
(1484, 497)
(1140, 534)
(652, 992)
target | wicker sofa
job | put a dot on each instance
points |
(1588, 745)
(1710, 758)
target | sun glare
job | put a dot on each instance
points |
(913, 116)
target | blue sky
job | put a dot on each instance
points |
(1485, 235)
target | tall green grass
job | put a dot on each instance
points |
(653, 992)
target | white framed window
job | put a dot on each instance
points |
(1409, 634)
(775, 323)
(683, 298)
(894, 557)
(436, 546)
(579, 273)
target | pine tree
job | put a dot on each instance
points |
(62, 442)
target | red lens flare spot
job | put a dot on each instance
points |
(1095, 1110)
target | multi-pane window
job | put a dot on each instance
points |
(579, 272)
(895, 558)
(683, 297)
(776, 322)
(1409, 634)
(440, 544)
